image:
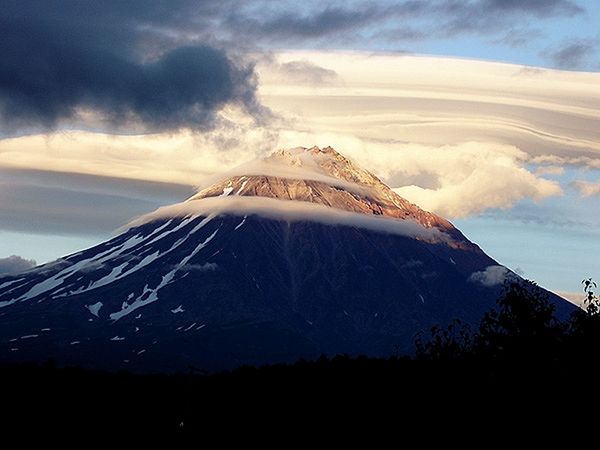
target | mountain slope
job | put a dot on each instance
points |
(220, 287)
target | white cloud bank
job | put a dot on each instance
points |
(293, 211)
(472, 177)
(455, 136)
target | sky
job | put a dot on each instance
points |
(484, 111)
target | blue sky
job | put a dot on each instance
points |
(121, 107)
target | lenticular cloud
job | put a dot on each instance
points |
(293, 211)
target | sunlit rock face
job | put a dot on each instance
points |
(300, 254)
(349, 186)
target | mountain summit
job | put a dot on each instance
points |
(296, 255)
(325, 177)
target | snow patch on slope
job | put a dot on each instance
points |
(95, 308)
(150, 295)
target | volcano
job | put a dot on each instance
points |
(296, 255)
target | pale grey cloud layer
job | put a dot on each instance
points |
(64, 203)
(15, 264)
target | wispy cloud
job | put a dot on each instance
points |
(550, 170)
(586, 188)
(573, 54)
(338, 21)
(301, 72)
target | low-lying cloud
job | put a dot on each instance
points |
(15, 264)
(206, 267)
(293, 211)
(492, 276)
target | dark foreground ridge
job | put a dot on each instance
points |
(396, 394)
(520, 371)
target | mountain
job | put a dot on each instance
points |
(296, 255)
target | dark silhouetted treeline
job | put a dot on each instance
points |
(519, 366)
(522, 329)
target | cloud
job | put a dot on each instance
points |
(492, 276)
(302, 72)
(182, 158)
(63, 203)
(293, 211)
(277, 166)
(339, 23)
(148, 66)
(492, 16)
(206, 267)
(318, 22)
(572, 55)
(586, 188)
(550, 170)
(520, 37)
(15, 264)
(546, 113)
(390, 113)
(69, 62)
(472, 178)
(541, 8)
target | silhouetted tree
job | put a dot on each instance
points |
(584, 326)
(522, 325)
(453, 342)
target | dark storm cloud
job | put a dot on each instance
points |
(15, 264)
(58, 59)
(572, 55)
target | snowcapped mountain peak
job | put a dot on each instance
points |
(321, 176)
(296, 255)
(326, 161)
